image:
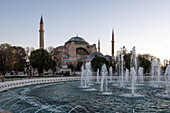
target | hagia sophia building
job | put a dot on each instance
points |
(75, 50)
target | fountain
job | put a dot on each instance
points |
(122, 81)
(126, 76)
(133, 75)
(120, 69)
(133, 72)
(86, 75)
(167, 72)
(140, 73)
(88, 78)
(111, 74)
(104, 83)
(133, 85)
(119, 64)
(166, 94)
(66, 97)
(158, 70)
(82, 76)
(98, 76)
(153, 69)
(133, 62)
(156, 74)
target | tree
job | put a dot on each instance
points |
(20, 58)
(147, 56)
(6, 58)
(127, 56)
(165, 64)
(123, 50)
(144, 62)
(53, 66)
(40, 59)
(97, 62)
(27, 63)
(70, 65)
(79, 65)
(127, 59)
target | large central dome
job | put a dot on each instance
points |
(76, 39)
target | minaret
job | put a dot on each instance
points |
(113, 43)
(41, 33)
(99, 45)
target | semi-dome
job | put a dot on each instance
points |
(92, 55)
(107, 56)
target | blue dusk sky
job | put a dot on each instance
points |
(141, 23)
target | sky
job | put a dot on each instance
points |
(144, 24)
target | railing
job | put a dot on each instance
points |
(19, 83)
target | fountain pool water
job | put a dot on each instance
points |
(65, 97)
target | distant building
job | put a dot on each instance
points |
(74, 50)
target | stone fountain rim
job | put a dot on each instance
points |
(21, 83)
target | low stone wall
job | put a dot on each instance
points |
(19, 83)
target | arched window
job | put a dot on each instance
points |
(81, 51)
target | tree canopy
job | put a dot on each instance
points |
(144, 60)
(20, 58)
(97, 62)
(11, 58)
(6, 58)
(40, 59)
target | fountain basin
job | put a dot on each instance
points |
(20, 83)
(66, 96)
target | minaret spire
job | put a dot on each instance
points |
(41, 33)
(41, 21)
(113, 43)
(98, 45)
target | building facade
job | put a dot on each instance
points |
(75, 50)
